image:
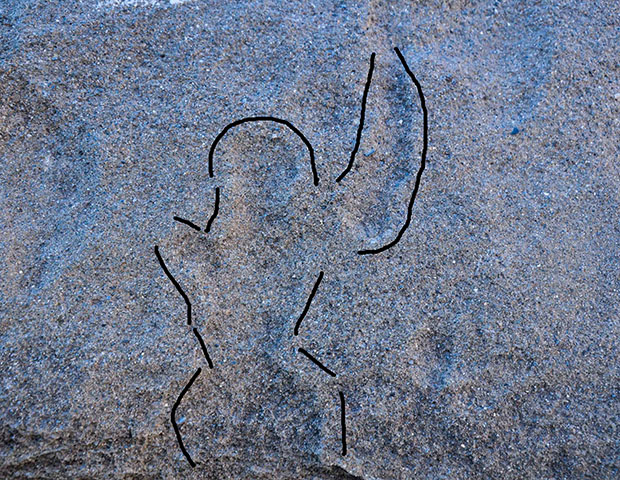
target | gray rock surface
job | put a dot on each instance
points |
(483, 345)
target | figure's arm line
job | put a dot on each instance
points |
(186, 222)
(286, 123)
(422, 162)
(176, 285)
(174, 421)
(362, 116)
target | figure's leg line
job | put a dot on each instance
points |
(163, 266)
(216, 209)
(203, 347)
(343, 424)
(308, 303)
(174, 421)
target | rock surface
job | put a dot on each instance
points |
(483, 345)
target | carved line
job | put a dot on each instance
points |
(173, 417)
(362, 116)
(187, 222)
(422, 162)
(203, 347)
(176, 285)
(307, 307)
(343, 424)
(216, 210)
(288, 124)
(316, 362)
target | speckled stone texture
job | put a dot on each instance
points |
(483, 346)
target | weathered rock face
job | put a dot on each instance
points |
(482, 345)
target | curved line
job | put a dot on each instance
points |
(203, 347)
(187, 222)
(362, 116)
(343, 424)
(216, 209)
(308, 302)
(316, 362)
(173, 415)
(422, 162)
(315, 175)
(176, 285)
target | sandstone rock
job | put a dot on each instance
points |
(482, 345)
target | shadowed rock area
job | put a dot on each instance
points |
(484, 344)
